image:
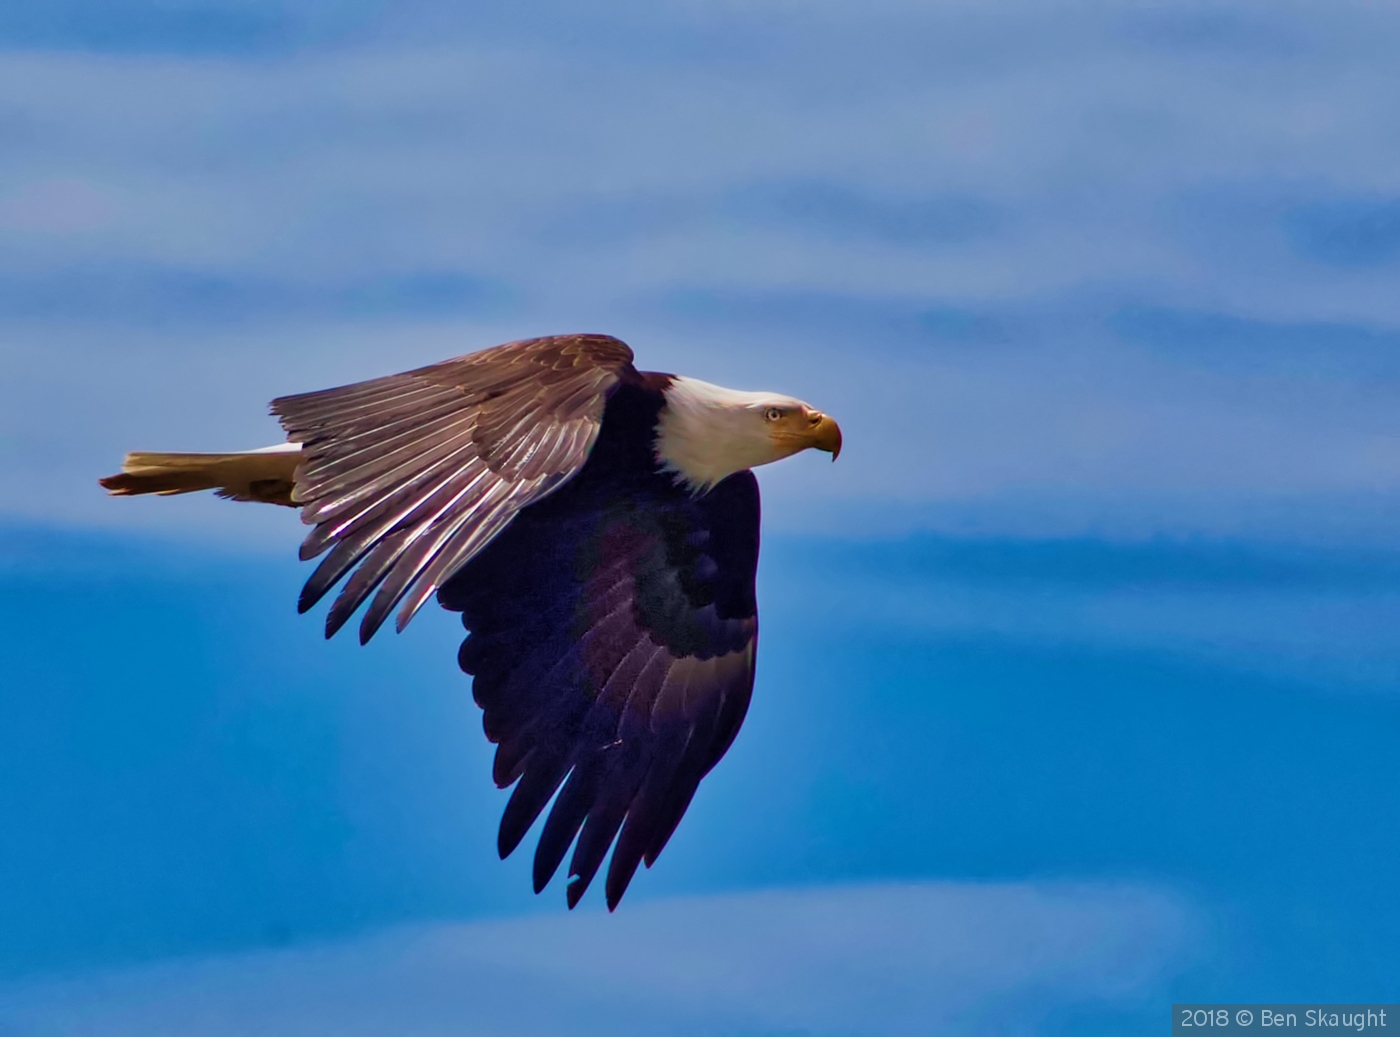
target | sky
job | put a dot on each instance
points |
(1079, 686)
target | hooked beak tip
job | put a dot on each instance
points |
(827, 436)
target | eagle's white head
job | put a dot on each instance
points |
(707, 433)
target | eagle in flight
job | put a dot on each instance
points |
(596, 526)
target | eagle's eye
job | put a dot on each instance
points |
(772, 414)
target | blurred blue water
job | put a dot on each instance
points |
(186, 766)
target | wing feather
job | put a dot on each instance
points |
(410, 475)
(386, 492)
(487, 513)
(353, 538)
(404, 546)
(612, 643)
(393, 451)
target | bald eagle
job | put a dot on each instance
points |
(596, 526)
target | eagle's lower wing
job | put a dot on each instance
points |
(409, 476)
(612, 641)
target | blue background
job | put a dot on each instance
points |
(1078, 674)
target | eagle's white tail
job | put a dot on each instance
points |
(266, 475)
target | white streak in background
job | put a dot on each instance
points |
(56, 207)
(1037, 167)
(876, 959)
(1077, 125)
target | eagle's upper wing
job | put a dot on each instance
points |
(410, 475)
(613, 639)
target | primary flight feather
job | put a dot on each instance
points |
(596, 526)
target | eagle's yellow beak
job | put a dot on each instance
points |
(824, 433)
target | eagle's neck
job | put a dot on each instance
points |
(705, 433)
